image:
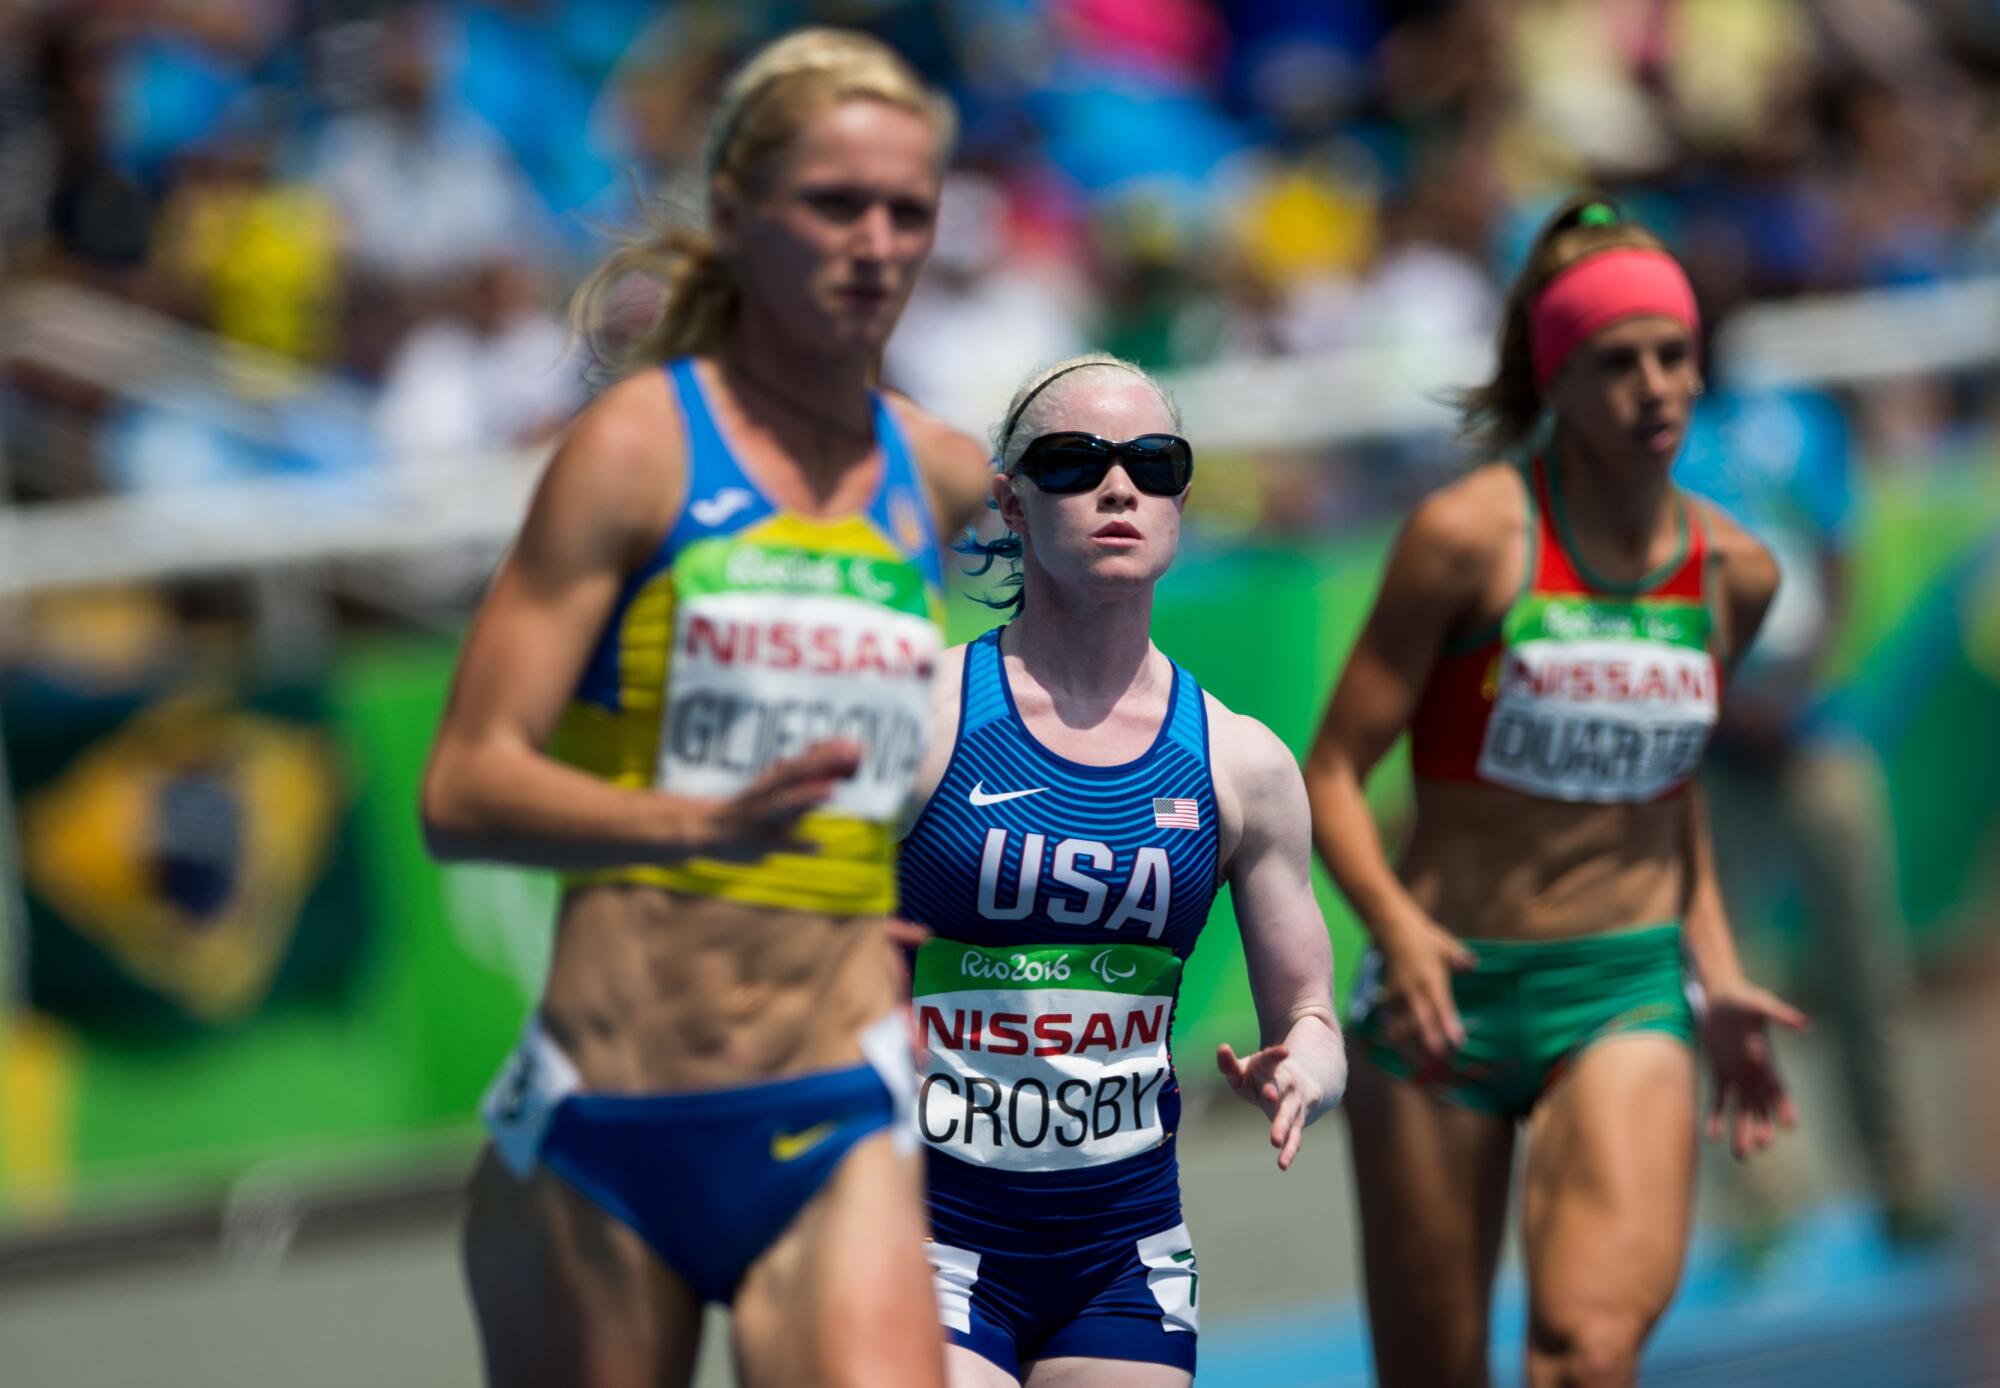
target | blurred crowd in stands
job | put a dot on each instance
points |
(396, 197)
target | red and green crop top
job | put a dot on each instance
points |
(1587, 690)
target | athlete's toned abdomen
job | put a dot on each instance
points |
(651, 990)
(1491, 863)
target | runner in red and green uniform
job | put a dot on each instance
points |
(1554, 632)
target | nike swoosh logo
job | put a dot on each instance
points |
(792, 1146)
(981, 796)
(714, 510)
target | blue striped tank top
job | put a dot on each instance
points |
(1064, 899)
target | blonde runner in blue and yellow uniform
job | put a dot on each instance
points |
(699, 687)
(1073, 833)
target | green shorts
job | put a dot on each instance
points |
(1531, 1007)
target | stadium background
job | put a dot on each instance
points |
(280, 286)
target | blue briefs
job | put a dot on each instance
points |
(709, 1178)
(1093, 1264)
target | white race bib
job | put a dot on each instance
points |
(755, 679)
(1044, 1057)
(1599, 720)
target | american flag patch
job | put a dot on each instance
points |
(1176, 814)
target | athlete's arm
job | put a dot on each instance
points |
(1745, 579)
(956, 468)
(1301, 1068)
(947, 689)
(1439, 574)
(489, 790)
(1750, 1101)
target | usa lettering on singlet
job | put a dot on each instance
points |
(777, 648)
(1044, 1058)
(1600, 700)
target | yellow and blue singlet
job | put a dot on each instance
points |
(752, 633)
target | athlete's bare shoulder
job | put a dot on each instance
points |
(1746, 565)
(620, 472)
(1471, 520)
(1458, 537)
(1257, 780)
(1246, 752)
(1747, 572)
(955, 466)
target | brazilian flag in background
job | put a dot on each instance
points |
(188, 858)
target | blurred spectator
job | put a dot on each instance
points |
(1735, 68)
(1304, 228)
(1179, 42)
(426, 191)
(185, 68)
(98, 216)
(1297, 62)
(1429, 282)
(1896, 190)
(978, 322)
(27, 149)
(251, 255)
(1580, 71)
(661, 91)
(1158, 279)
(499, 374)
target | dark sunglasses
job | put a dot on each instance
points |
(1067, 463)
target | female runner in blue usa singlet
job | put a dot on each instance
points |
(1073, 837)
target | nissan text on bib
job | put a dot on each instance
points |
(1601, 701)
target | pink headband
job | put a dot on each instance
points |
(1600, 290)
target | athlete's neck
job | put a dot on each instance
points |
(1090, 647)
(825, 397)
(1628, 511)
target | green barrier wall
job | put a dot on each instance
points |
(341, 1082)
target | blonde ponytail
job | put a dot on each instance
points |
(697, 304)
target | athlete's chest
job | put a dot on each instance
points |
(1017, 847)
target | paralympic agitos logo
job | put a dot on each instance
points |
(1105, 969)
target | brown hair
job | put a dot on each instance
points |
(1501, 415)
(765, 103)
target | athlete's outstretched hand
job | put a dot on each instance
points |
(1283, 1090)
(760, 818)
(1751, 1102)
(1418, 1013)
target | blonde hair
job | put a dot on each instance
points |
(1034, 403)
(763, 107)
(1027, 417)
(1505, 412)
